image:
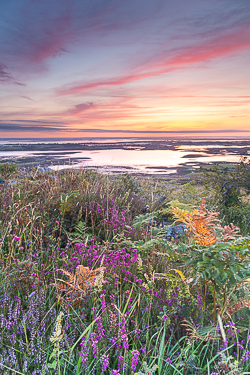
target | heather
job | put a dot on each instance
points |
(114, 274)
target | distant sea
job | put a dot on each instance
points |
(189, 137)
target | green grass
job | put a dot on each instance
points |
(139, 315)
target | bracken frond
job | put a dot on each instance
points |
(232, 309)
(72, 291)
(201, 222)
(181, 215)
(229, 232)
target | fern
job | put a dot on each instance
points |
(201, 222)
(148, 371)
(71, 292)
(79, 233)
(144, 219)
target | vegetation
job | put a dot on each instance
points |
(104, 274)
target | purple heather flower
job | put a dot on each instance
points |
(104, 308)
(94, 343)
(199, 299)
(101, 332)
(105, 362)
(120, 363)
(246, 356)
(134, 360)
(84, 357)
(165, 317)
(17, 239)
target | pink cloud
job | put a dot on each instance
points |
(214, 48)
(51, 42)
(117, 81)
(184, 58)
(79, 108)
(40, 32)
(96, 110)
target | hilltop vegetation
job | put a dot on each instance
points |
(122, 275)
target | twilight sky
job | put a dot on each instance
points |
(75, 68)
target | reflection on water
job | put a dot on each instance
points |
(197, 147)
(141, 160)
(167, 158)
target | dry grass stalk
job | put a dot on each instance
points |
(207, 334)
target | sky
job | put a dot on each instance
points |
(134, 68)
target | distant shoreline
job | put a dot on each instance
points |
(148, 144)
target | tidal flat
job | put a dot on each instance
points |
(165, 159)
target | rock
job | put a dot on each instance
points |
(145, 209)
(175, 232)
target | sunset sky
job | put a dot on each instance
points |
(76, 68)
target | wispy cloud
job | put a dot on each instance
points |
(93, 130)
(44, 30)
(26, 128)
(78, 109)
(15, 128)
(27, 97)
(35, 122)
(182, 58)
(41, 31)
(6, 77)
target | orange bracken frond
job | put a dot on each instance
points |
(71, 292)
(200, 222)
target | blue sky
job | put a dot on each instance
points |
(82, 68)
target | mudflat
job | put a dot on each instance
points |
(193, 155)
